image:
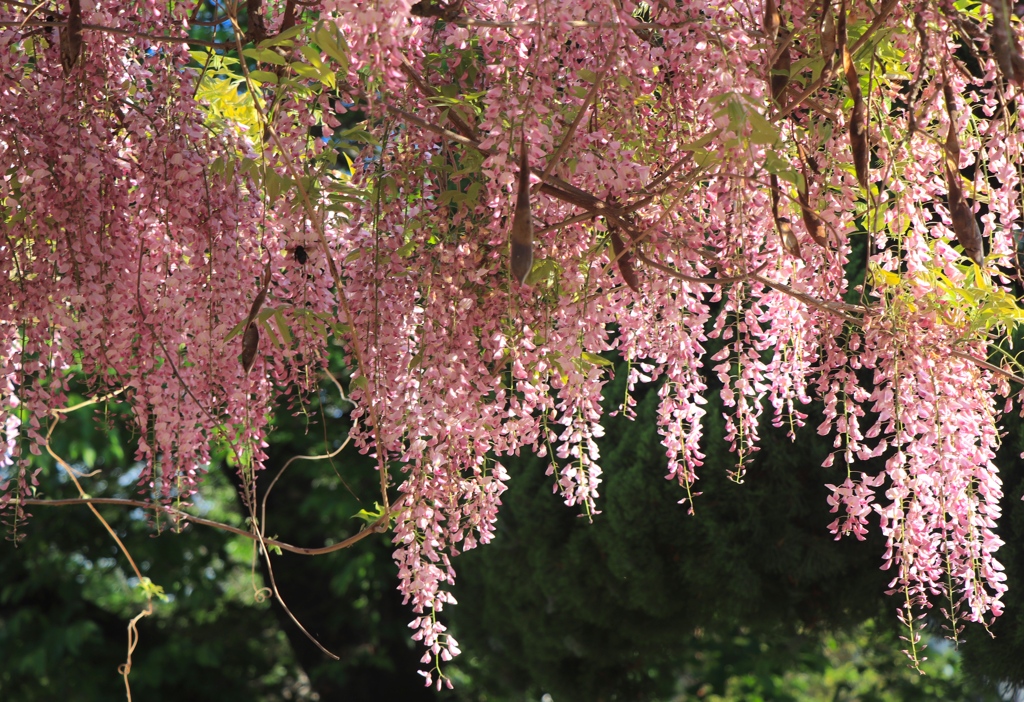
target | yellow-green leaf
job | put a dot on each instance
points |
(596, 360)
(330, 39)
(263, 77)
(284, 37)
(265, 56)
(312, 55)
(286, 334)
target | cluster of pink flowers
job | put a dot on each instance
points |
(137, 235)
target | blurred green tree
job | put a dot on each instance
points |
(748, 599)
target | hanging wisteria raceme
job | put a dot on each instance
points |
(793, 199)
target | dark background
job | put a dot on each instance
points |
(750, 598)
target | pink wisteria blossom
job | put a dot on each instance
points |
(147, 191)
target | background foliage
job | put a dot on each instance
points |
(750, 598)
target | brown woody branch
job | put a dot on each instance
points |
(552, 185)
(375, 528)
(576, 24)
(122, 32)
(290, 15)
(841, 309)
(673, 273)
(988, 366)
(257, 29)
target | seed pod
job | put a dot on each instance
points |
(772, 20)
(859, 115)
(433, 8)
(261, 296)
(952, 141)
(1003, 42)
(251, 337)
(250, 345)
(774, 189)
(811, 220)
(780, 73)
(965, 226)
(1018, 252)
(789, 241)
(921, 25)
(521, 245)
(813, 223)
(778, 76)
(624, 261)
(71, 37)
(828, 36)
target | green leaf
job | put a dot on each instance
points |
(597, 360)
(235, 331)
(305, 70)
(151, 589)
(311, 322)
(736, 113)
(329, 38)
(272, 185)
(286, 333)
(358, 134)
(776, 165)
(271, 332)
(265, 56)
(263, 77)
(761, 130)
(283, 38)
(371, 517)
(700, 143)
(546, 271)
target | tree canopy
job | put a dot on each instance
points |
(482, 205)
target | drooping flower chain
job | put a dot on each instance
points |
(137, 233)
